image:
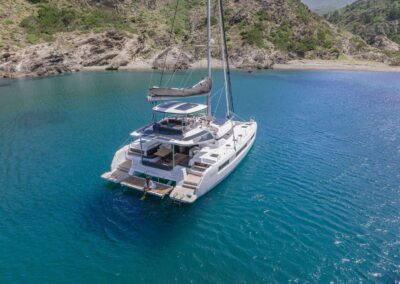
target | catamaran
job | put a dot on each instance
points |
(188, 151)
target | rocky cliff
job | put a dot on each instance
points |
(40, 37)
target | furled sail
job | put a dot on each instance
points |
(200, 89)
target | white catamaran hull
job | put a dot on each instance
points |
(215, 174)
(190, 182)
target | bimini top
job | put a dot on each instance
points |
(179, 108)
(160, 94)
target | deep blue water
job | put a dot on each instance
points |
(316, 200)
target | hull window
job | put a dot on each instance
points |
(223, 165)
(241, 150)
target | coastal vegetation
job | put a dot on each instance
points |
(50, 19)
(377, 22)
(288, 28)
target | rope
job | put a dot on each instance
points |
(220, 91)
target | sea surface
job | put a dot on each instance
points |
(316, 200)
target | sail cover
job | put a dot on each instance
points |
(160, 94)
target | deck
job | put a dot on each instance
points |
(138, 183)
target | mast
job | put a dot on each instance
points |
(224, 53)
(209, 53)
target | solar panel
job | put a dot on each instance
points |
(168, 105)
(186, 106)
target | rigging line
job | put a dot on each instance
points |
(170, 37)
(236, 115)
(216, 92)
(151, 80)
(228, 72)
(175, 69)
(185, 81)
(220, 91)
(189, 77)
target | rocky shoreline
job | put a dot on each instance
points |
(113, 51)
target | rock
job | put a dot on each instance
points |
(172, 59)
(112, 67)
(101, 60)
(39, 60)
(71, 52)
(239, 17)
(383, 43)
(6, 55)
(114, 35)
(250, 57)
(394, 62)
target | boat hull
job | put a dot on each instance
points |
(214, 176)
(220, 161)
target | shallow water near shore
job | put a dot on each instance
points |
(317, 198)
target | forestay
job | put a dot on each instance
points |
(200, 89)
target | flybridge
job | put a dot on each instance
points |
(179, 108)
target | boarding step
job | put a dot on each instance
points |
(125, 165)
(186, 185)
(183, 195)
(201, 166)
(115, 176)
(194, 172)
(198, 169)
(192, 179)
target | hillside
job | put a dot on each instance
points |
(376, 21)
(39, 37)
(324, 6)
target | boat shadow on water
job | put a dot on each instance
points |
(119, 214)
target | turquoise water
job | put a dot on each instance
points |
(316, 200)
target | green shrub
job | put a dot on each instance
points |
(262, 15)
(32, 38)
(325, 39)
(306, 44)
(358, 43)
(51, 19)
(253, 36)
(214, 21)
(282, 38)
(36, 1)
(181, 24)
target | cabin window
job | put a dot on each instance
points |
(223, 165)
(241, 150)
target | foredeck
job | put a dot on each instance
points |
(138, 183)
